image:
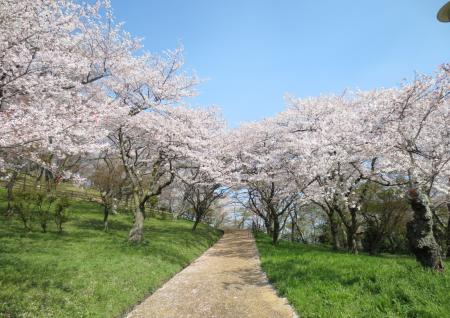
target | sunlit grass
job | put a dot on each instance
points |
(322, 283)
(86, 272)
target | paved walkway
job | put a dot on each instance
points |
(225, 282)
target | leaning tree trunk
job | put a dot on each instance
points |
(136, 234)
(197, 220)
(420, 232)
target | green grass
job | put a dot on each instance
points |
(322, 283)
(86, 272)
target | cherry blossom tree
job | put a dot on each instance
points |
(201, 197)
(263, 185)
(73, 83)
(205, 179)
(55, 63)
(322, 139)
(410, 134)
(155, 144)
(394, 137)
(75, 86)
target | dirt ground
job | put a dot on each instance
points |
(226, 281)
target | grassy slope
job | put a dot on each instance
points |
(322, 283)
(86, 272)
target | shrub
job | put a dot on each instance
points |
(23, 207)
(61, 212)
(44, 204)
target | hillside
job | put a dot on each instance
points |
(322, 283)
(86, 272)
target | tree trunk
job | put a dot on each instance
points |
(448, 231)
(9, 195)
(276, 231)
(351, 240)
(292, 230)
(49, 180)
(44, 227)
(353, 245)
(198, 218)
(334, 230)
(196, 222)
(351, 227)
(105, 217)
(136, 234)
(420, 232)
(268, 226)
(373, 238)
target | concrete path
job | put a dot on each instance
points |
(226, 281)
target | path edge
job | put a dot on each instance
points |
(131, 308)
(296, 315)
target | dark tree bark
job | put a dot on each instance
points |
(263, 200)
(295, 227)
(201, 198)
(420, 232)
(373, 238)
(199, 214)
(292, 230)
(352, 247)
(334, 230)
(196, 222)
(268, 225)
(331, 213)
(44, 227)
(276, 231)
(351, 227)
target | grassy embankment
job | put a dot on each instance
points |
(86, 272)
(322, 283)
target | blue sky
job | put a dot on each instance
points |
(252, 52)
